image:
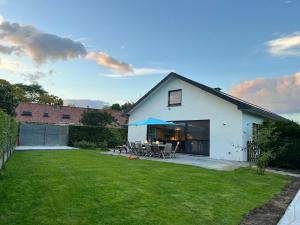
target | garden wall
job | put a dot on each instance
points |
(8, 137)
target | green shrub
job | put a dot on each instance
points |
(103, 137)
(84, 144)
(102, 145)
(289, 134)
(8, 135)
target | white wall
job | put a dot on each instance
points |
(225, 119)
(248, 120)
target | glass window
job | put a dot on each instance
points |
(175, 97)
(45, 114)
(66, 116)
(198, 130)
(26, 113)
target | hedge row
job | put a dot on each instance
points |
(100, 136)
(289, 134)
(8, 136)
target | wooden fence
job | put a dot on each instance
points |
(5, 155)
(252, 152)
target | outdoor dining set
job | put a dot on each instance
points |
(150, 149)
(146, 149)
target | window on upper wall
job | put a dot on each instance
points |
(66, 116)
(45, 114)
(175, 97)
(26, 113)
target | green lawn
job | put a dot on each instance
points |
(85, 187)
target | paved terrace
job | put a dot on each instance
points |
(194, 160)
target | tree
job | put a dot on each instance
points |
(116, 107)
(267, 144)
(32, 92)
(36, 94)
(8, 100)
(94, 117)
(50, 99)
(127, 106)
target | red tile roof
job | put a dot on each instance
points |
(56, 112)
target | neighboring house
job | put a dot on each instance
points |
(208, 121)
(51, 114)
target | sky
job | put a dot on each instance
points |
(104, 52)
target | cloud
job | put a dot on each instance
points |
(43, 47)
(10, 50)
(138, 72)
(10, 66)
(281, 94)
(107, 61)
(288, 45)
(28, 74)
(39, 45)
(96, 104)
(36, 76)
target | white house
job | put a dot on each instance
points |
(208, 121)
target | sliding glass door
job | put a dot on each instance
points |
(197, 137)
(192, 135)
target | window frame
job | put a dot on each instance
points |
(46, 114)
(26, 113)
(66, 116)
(169, 95)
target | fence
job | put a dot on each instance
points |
(252, 152)
(8, 137)
(43, 135)
(5, 156)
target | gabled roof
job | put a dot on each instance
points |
(241, 104)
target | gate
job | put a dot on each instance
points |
(252, 152)
(43, 135)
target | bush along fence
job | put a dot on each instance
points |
(8, 137)
(277, 144)
(289, 135)
(96, 137)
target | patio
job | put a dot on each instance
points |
(193, 160)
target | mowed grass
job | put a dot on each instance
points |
(85, 187)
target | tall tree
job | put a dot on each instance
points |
(35, 93)
(8, 99)
(93, 117)
(127, 106)
(32, 91)
(116, 107)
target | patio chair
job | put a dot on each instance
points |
(173, 154)
(148, 150)
(133, 148)
(139, 148)
(155, 150)
(129, 148)
(167, 151)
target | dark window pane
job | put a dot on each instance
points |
(26, 113)
(66, 116)
(198, 130)
(175, 97)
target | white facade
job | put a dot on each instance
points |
(230, 128)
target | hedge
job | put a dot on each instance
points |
(289, 133)
(8, 136)
(101, 136)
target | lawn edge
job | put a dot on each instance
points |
(271, 212)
